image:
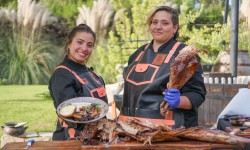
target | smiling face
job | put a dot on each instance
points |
(162, 27)
(81, 46)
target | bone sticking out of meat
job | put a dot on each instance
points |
(216, 136)
(181, 70)
(87, 135)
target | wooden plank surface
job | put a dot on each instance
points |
(77, 145)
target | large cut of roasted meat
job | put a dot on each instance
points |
(113, 131)
(181, 70)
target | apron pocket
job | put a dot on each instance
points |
(98, 92)
(142, 74)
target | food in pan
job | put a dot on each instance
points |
(237, 121)
(246, 123)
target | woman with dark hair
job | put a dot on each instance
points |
(147, 75)
(72, 78)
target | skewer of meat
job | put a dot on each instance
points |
(181, 70)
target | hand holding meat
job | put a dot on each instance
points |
(172, 96)
(181, 70)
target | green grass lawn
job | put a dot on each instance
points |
(24, 103)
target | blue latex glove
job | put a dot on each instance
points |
(172, 96)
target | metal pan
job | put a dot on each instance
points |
(87, 100)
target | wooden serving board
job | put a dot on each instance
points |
(77, 145)
(192, 145)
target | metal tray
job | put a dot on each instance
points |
(83, 99)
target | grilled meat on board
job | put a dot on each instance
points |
(113, 131)
(217, 136)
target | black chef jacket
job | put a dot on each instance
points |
(63, 85)
(143, 99)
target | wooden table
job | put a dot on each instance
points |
(77, 145)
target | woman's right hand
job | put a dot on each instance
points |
(172, 96)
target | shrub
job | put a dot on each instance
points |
(26, 56)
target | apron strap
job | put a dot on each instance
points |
(71, 131)
(100, 90)
(171, 52)
(141, 54)
(76, 76)
(62, 123)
